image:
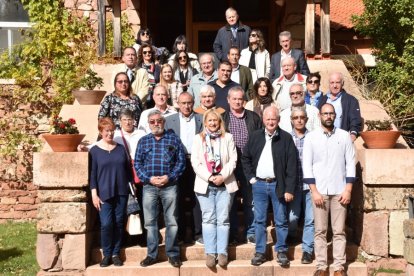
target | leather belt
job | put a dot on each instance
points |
(267, 180)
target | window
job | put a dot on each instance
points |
(13, 18)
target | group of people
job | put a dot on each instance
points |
(256, 126)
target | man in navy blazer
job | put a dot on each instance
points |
(285, 40)
(186, 124)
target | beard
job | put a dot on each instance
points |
(156, 130)
(328, 123)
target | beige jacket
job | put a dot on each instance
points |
(140, 85)
(228, 159)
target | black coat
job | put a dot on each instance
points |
(284, 159)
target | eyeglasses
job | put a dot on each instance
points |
(253, 35)
(145, 33)
(313, 81)
(298, 117)
(182, 58)
(297, 93)
(122, 81)
(326, 114)
(146, 52)
(153, 122)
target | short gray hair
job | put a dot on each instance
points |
(285, 33)
(207, 89)
(155, 112)
(298, 109)
(231, 9)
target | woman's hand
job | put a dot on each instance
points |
(217, 179)
(96, 200)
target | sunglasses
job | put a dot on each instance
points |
(153, 122)
(298, 117)
(145, 33)
(313, 81)
(297, 93)
(122, 81)
(146, 52)
(182, 58)
(253, 35)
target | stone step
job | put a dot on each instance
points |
(196, 252)
(236, 267)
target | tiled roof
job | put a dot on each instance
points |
(341, 12)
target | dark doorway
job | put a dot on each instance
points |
(166, 20)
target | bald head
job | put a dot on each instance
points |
(271, 118)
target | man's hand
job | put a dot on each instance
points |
(345, 197)
(159, 181)
(288, 197)
(317, 198)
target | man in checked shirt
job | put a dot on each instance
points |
(159, 161)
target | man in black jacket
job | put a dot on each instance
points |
(348, 114)
(270, 164)
(240, 123)
(233, 34)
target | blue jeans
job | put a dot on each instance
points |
(246, 193)
(262, 191)
(112, 217)
(302, 200)
(215, 208)
(168, 196)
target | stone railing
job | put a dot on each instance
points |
(64, 215)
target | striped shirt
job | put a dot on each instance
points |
(165, 156)
(299, 141)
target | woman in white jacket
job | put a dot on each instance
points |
(214, 159)
(256, 57)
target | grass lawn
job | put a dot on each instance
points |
(18, 248)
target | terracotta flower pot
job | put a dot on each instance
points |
(380, 139)
(85, 97)
(63, 142)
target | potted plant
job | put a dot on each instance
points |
(380, 134)
(89, 95)
(64, 135)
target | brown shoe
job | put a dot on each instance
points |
(340, 273)
(321, 272)
(210, 260)
(222, 260)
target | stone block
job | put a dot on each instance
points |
(408, 228)
(386, 198)
(26, 200)
(387, 166)
(47, 250)
(409, 270)
(396, 233)
(409, 250)
(75, 252)
(375, 233)
(62, 196)
(85, 7)
(133, 17)
(8, 200)
(62, 218)
(24, 207)
(60, 169)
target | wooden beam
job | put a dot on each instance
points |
(116, 6)
(101, 27)
(325, 28)
(189, 26)
(310, 28)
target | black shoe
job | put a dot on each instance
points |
(175, 261)
(233, 242)
(259, 258)
(251, 240)
(148, 261)
(282, 259)
(306, 258)
(106, 261)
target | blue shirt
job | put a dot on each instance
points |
(337, 104)
(165, 156)
(315, 100)
(110, 171)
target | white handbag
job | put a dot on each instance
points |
(133, 226)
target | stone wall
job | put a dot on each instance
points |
(89, 9)
(18, 195)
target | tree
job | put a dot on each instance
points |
(390, 25)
